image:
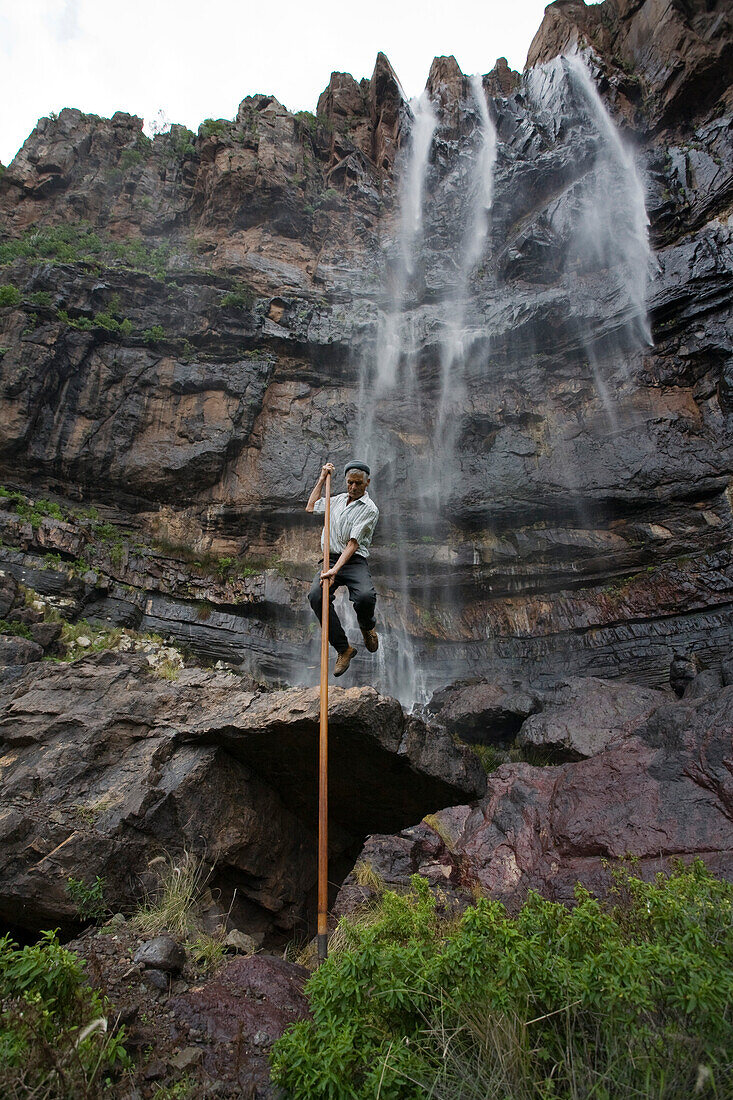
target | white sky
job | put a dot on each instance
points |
(197, 60)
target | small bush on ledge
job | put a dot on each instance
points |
(629, 998)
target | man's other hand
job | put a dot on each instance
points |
(329, 468)
(329, 574)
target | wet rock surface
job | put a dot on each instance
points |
(202, 422)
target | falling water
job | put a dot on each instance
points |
(410, 416)
(388, 376)
(457, 338)
(405, 424)
(611, 225)
(615, 224)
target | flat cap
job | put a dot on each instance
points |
(357, 466)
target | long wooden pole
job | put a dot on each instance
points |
(323, 743)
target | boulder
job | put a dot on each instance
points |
(107, 766)
(241, 942)
(581, 716)
(242, 1012)
(664, 792)
(484, 712)
(161, 953)
(18, 651)
(707, 682)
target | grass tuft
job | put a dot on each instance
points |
(172, 907)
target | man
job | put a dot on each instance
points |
(354, 516)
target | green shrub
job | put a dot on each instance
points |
(131, 158)
(213, 126)
(182, 142)
(35, 511)
(307, 121)
(79, 242)
(17, 630)
(88, 897)
(241, 298)
(41, 298)
(628, 998)
(103, 320)
(9, 295)
(489, 756)
(154, 335)
(225, 566)
(54, 1038)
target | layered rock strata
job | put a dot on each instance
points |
(191, 314)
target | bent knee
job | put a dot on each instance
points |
(315, 597)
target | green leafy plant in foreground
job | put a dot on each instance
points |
(606, 1001)
(54, 1037)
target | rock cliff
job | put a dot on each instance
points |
(512, 295)
(193, 313)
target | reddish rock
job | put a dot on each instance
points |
(385, 102)
(581, 716)
(682, 53)
(501, 80)
(446, 87)
(240, 1015)
(666, 791)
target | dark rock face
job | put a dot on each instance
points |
(662, 791)
(681, 52)
(265, 249)
(582, 716)
(106, 767)
(482, 712)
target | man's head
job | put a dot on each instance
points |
(357, 479)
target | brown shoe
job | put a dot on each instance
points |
(344, 660)
(371, 640)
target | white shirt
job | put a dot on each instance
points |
(349, 521)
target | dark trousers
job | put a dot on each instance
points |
(355, 575)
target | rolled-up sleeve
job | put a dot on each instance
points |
(320, 506)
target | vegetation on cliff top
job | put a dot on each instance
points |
(630, 998)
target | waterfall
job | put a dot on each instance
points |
(615, 224)
(407, 429)
(425, 372)
(611, 225)
(457, 338)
